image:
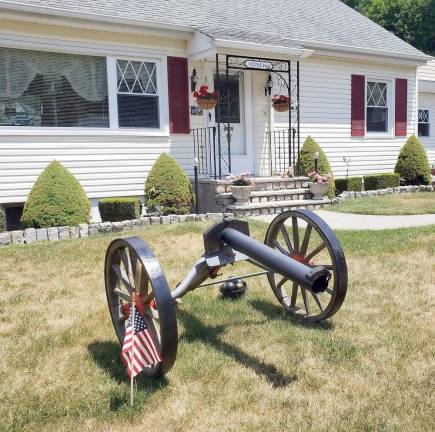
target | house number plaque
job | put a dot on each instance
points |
(257, 64)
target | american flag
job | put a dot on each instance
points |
(144, 350)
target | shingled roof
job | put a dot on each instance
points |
(286, 23)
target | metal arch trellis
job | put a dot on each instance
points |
(287, 78)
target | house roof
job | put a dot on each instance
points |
(285, 23)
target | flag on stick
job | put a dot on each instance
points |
(139, 350)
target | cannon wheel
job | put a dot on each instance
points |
(132, 266)
(304, 236)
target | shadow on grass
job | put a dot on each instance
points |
(275, 312)
(209, 335)
(106, 355)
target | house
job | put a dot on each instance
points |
(105, 87)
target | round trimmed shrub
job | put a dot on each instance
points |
(306, 162)
(2, 219)
(413, 164)
(56, 199)
(167, 188)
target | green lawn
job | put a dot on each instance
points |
(241, 366)
(400, 204)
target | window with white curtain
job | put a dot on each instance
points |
(137, 93)
(44, 89)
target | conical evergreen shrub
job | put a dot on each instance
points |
(306, 162)
(413, 164)
(167, 188)
(56, 199)
(2, 219)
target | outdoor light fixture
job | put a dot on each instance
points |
(269, 85)
(193, 80)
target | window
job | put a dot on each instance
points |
(52, 89)
(423, 123)
(233, 92)
(138, 99)
(377, 106)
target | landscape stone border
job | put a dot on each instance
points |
(32, 235)
(389, 191)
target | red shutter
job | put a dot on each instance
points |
(401, 106)
(178, 92)
(358, 106)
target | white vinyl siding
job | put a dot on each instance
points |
(427, 72)
(326, 114)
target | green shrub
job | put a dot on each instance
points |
(56, 199)
(381, 181)
(119, 209)
(2, 219)
(306, 162)
(412, 163)
(348, 184)
(167, 188)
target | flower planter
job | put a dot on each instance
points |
(206, 104)
(282, 106)
(319, 190)
(241, 193)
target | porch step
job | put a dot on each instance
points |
(269, 195)
(278, 183)
(271, 207)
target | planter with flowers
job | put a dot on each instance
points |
(281, 103)
(205, 99)
(320, 184)
(241, 187)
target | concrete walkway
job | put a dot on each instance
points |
(348, 221)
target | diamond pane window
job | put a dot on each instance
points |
(138, 99)
(377, 106)
(423, 123)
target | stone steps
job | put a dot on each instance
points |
(279, 183)
(269, 195)
(272, 207)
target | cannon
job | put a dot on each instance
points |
(301, 257)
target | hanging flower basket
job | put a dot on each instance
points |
(205, 99)
(281, 103)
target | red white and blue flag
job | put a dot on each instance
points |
(140, 349)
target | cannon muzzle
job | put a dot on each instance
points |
(314, 279)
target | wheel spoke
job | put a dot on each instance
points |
(122, 294)
(316, 299)
(117, 269)
(286, 238)
(315, 251)
(125, 257)
(281, 283)
(306, 240)
(305, 299)
(295, 234)
(280, 248)
(294, 294)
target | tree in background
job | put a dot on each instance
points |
(411, 20)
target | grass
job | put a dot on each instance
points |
(241, 366)
(400, 204)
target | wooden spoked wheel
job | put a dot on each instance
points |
(131, 266)
(304, 236)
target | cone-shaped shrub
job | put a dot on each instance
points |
(306, 161)
(167, 188)
(412, 163)
(56, 199)
(2, 219)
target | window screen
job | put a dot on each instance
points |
(52, 89)
(138, 99)
(377, 106)
(423, 123)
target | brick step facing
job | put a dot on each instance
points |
(279, 183)
(271, 195)
(254, 209)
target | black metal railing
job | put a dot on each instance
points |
(283, 150)
(206, 151)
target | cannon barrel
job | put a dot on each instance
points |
(313, 278)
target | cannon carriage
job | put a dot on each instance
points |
(301, 258)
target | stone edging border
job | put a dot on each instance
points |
(32, 235)
(389, 191)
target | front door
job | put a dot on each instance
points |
(232, 109)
